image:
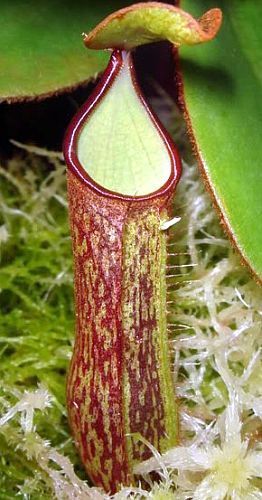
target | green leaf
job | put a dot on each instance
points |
(41, 46)
(222, 96)
(147, 22)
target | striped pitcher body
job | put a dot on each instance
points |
(120, 386)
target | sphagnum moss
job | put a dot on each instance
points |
(215, 322)
(36, 301)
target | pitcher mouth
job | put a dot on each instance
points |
(70, 146)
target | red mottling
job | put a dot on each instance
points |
(117, 259)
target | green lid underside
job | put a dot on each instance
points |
(147, 22)
(119, 146)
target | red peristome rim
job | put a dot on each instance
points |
(74, 128)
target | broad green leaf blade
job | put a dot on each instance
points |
(146, 22)
(41, 45)
(221, 92)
